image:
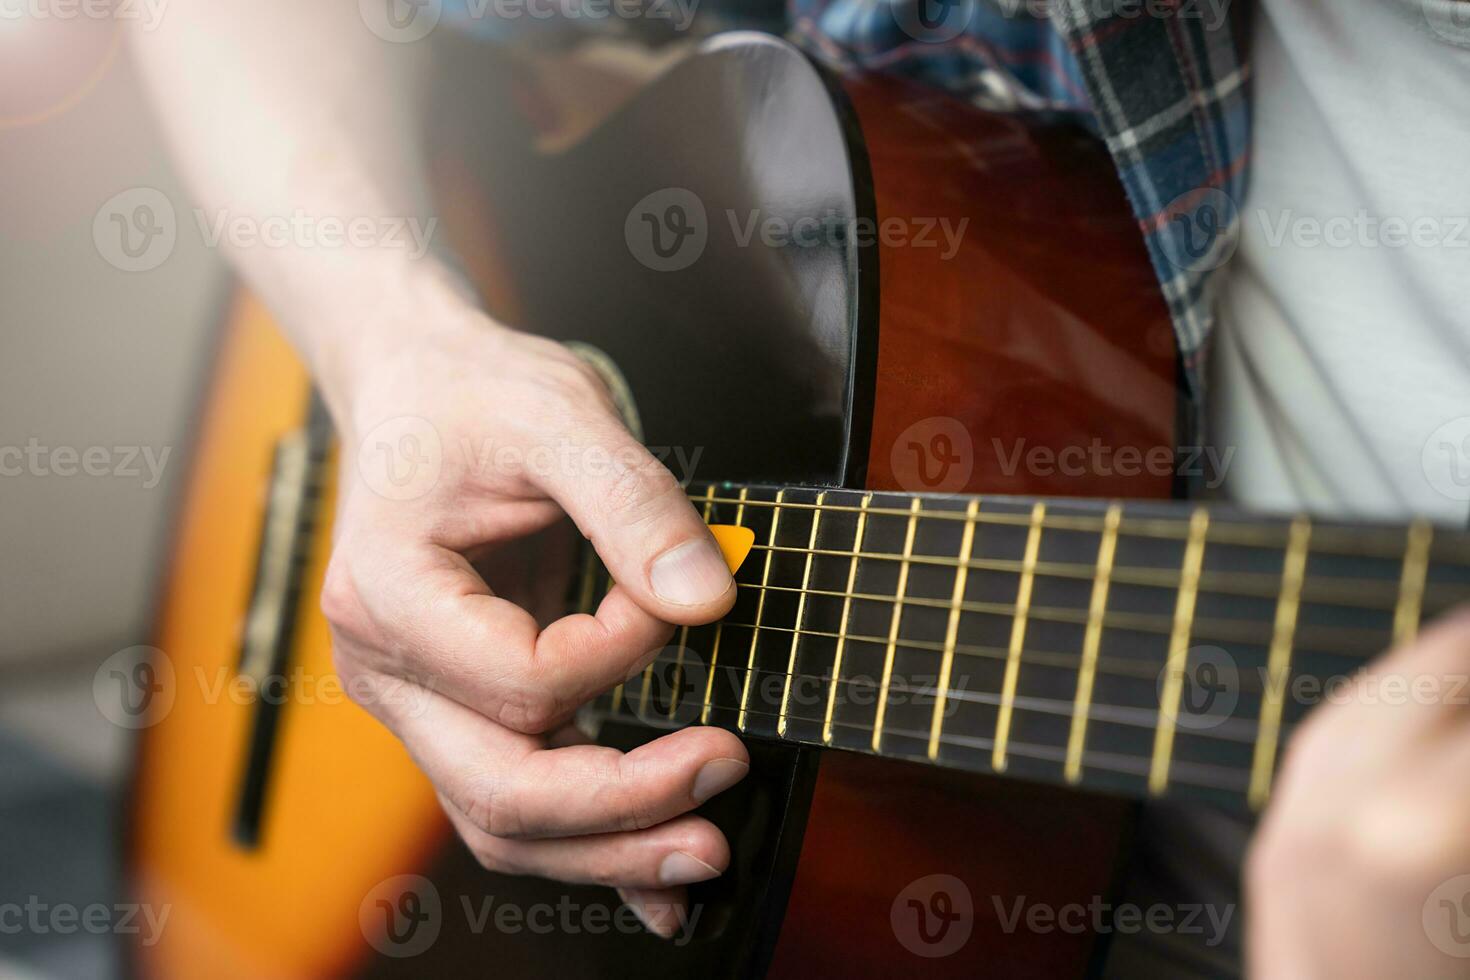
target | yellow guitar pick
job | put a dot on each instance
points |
(735, 543)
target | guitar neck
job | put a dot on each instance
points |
(1146, 648)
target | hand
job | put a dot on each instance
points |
(1357, 868)
(445, 578)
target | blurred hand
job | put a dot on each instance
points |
(1353, 871)
(450, 581)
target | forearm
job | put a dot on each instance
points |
(289, 111)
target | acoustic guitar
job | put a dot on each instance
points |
(976, 622)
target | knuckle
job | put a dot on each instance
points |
(339, 601)
(492, 806)
(639, 490)
(527, 711)
(635, 804)
(574, 380)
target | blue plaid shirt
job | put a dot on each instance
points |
(1163, 82)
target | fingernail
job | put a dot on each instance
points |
(691, 574)
(634, 900)
(683, 868)
(716, 776)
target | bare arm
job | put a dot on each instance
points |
(275, 107)
(286, 107)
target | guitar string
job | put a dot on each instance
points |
(1377, 594)
(1333, 639)
(1036, 658)
(1327, 538)
(1234, 729)
(1180, 772)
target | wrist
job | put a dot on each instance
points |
(375, 326)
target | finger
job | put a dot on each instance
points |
(1419, 686)
(663, 911)
(1371, 724)
(640, 520)
(677, 853)
(508, 785)
(444, 629)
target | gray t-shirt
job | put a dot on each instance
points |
(1341, 365)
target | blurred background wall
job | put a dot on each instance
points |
(96, 358)
(90, 356)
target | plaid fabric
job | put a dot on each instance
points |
(1164, 82)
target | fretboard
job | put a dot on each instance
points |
(1146, 648)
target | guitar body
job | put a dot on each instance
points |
(887, 365)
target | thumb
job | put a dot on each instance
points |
(642, 524)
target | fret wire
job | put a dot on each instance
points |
(714, 655)
(1092, 642)
(1343, 541)
(1278, 660)
(617, 691)
(645, 689)
(1194, 553)
(760, 608)
(852, 568)
(951, 632)
(589, 581)
(1018, 637)
(1329, 638)
(1411, 583)
(678, 683)
(806, 580)
(903, 581)
(1358, 593)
